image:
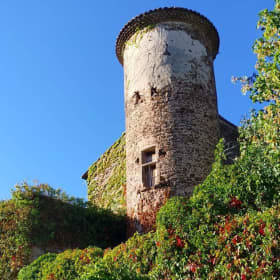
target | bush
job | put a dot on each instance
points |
(67, 222)
(39, 216)
(33, 271)
(138, 253)
(101, 271)
(67, 265)
(14, 239)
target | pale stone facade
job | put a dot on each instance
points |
(172, 124)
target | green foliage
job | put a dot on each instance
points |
(102, 271)
(67, 222)
(263, 128)
(106, 179)
(229, 228)
(33, 271)
(190, 231)
(39, 216)
(78, 264)
(138, 253)
(14, 240)
(248, 247)
(265, 85)
(67, 265)
(233, 247)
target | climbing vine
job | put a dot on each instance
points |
(107, 179)
(45, 218)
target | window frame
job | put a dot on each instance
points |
(147, 167)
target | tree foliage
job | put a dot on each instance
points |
(229, 228)
(263, 127)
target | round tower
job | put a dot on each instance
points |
(170, 106)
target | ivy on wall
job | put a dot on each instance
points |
(107, 180)
(224, 231)
(39, 216)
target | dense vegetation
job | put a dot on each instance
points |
(106, 179)
(230, 227)
(39, 216)
(222, 232)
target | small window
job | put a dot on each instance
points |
(149, 167)
(149, 156)
(149, 175)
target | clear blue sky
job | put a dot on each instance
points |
(61, 86)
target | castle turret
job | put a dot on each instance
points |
(170, 105)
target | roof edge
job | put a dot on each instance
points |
(228, 122)
(162, 15)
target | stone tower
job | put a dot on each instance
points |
(170, 105)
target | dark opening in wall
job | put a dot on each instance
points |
(136, 97)
(149, 167)
(153, 91)
(149, 175)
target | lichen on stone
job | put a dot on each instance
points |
(138, 35)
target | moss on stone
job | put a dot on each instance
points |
(107, 179)
(138, 35)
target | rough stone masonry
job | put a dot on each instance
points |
(170, 105)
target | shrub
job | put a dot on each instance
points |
(14, 239)
(67, 265)
(138, 254)
(101, 271)
(33, 271)
(39, 216)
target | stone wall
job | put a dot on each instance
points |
(229, 132)
(172, 122)
(170, 105)
(106, 178)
